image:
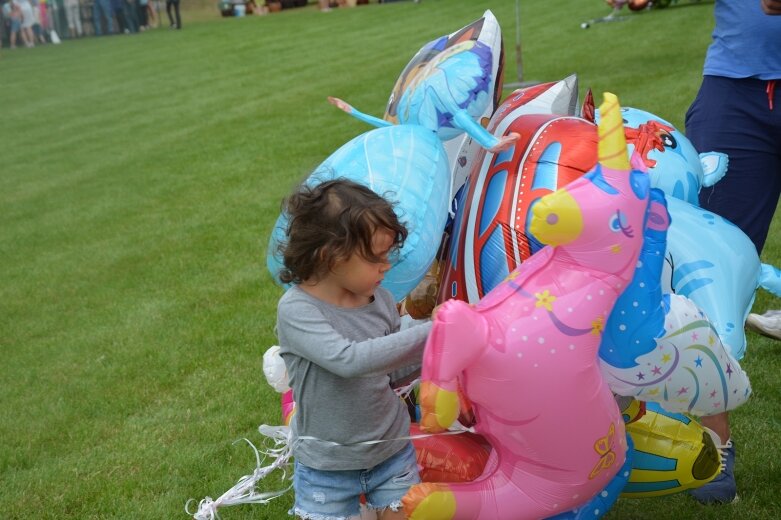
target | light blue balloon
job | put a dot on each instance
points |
(452, 93)
(407, 165)
(714, 264)
(673, 163)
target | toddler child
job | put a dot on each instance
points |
(339, 336)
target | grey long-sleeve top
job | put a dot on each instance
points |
(338, 360)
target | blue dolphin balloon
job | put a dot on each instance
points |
(714, 264)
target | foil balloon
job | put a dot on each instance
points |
(449, 458)
(672, 453)
(460, 148)
(673, 163)
(490, 235)
(275, 370)
(526, 355)
(713, 263)
(276, 375)
(288, 405)
(605, 499)
(449, 93)
(407, 165)
(661, 347)
(557, 97)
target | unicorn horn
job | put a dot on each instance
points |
(612, 143)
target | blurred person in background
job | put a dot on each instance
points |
(143, 15)
(13, 14)
(28, 20)
(101, 10)
(131, 14)
(38, 31)
(73, 16)
(175, 5)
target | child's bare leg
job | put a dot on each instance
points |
(389, 514)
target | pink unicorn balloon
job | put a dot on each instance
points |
(526, 355)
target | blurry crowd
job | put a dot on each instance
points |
(27, 23)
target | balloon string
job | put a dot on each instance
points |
(404, 391)
(460, 429)
(244, 491)
(281, 450)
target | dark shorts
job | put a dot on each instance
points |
(331, 495)
(734, 116)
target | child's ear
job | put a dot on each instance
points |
(327, 256)
(322, 253)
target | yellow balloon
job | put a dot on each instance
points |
(672, 453)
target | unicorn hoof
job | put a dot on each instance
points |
(439, 407)
(429, 501)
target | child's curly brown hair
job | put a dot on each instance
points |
(330, 222)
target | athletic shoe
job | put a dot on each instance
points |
(768, 324)
(722, 489)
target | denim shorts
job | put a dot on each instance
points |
(335, 495)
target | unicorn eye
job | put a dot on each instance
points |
(619, 223)
(669, 141)
(615, 223)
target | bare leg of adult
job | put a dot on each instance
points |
(150, 11)
(28, 37)
(719, 424)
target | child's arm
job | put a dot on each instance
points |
(305, 332)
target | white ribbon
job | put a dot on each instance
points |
(281, 451)
(244, 491)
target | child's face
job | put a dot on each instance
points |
(359, 276)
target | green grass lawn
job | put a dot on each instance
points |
(139, 179)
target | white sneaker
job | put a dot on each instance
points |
(768, 324)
